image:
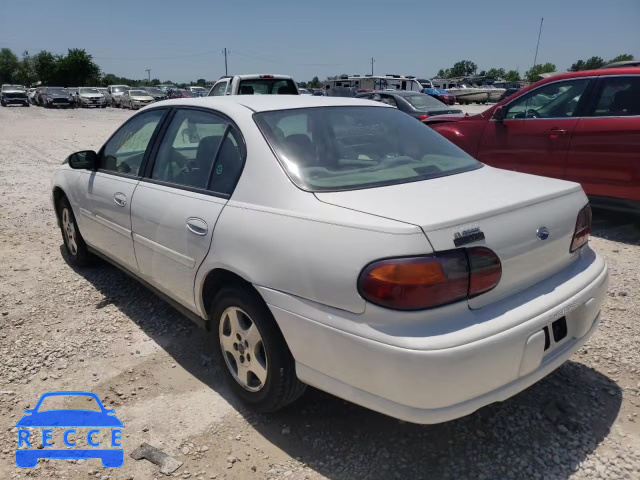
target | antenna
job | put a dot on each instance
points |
(225, 62)
(148, 70)
(535, 59)
(372, 60)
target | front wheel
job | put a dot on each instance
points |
(256, 359)
(74, 243)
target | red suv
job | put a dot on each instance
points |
(579, 126)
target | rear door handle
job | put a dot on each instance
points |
(197, 226)
(120, 199)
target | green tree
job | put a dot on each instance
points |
(444, 73)
(45, 66)
(625, 57)
(512, 76)
(315, 83)
(77, 68)
(533, 74)
(496, 73)
(578, 66)
(8, 66)
(26, 72)
(463, 68)
(201, 81)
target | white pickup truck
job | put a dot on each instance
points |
(254, 84)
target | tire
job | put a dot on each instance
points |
(26, 104)
(3, 103)
(270, 353)
(77, 250)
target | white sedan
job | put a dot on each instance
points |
(339, 243)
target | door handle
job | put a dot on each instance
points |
(556, 132)
(197, 226)
(120, 199)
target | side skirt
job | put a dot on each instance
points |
(177, 306)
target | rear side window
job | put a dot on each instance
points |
(267, 86)
(618, 97)
(199, 150)
(347, 148)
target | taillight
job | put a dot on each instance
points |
(417, 283)
(265, 76)
(423, 117)
(583, 229)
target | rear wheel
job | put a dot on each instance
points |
(74, 243)
(256, 360)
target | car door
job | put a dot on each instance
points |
(175, 208)
(604, 148)
(105, 211)
(535, 131)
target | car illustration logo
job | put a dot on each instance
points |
(542, 233)
(68, 420)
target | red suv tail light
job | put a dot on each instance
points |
(417, 283)
(583, 229)
(423, 116)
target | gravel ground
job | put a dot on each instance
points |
(97, 330)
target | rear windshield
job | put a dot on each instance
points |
(89, 90)
(57, 91)
(347, 148)
(139, 93)
(423, 101)
(119, 89)
(267, 86)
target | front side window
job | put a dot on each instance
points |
(618, 97)
(125, 150)
(554, 100)
(346, 148)
(189, 147)
(218, 89)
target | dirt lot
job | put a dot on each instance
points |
(97, 330)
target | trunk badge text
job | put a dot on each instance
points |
(542, 233)
(467, 236)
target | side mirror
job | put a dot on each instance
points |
(85, 160)
(498, 114)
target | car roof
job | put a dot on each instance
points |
(595, 73)
(263, 103)
(256, 76)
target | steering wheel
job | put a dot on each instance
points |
(531, 113)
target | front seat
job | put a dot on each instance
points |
(199, 174)
(246, 90)
(284, 91)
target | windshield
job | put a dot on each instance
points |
(423, 101)
(157, 91)
(138, 93)
(346, 148)
(57, 91)
(119, 89)
(197, 89)
(267, 86)
(89, 90)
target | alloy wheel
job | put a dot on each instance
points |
(69, 230)
(243, 349)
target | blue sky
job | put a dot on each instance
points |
(183, 41)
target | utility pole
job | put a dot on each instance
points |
(225, 62)
(148, 70)
(372, 60)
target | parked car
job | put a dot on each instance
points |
(12, 94)
(198, 91)
(166, 87)
(254, 85)
(90, 97)
(155, 92)
(135, 99)
(418, 105)
(579, 126)
(57, 97)
(181, 93)
(114, 92)
(442, 95)
(340, 244)
(304, 91)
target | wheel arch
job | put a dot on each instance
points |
(218, 278)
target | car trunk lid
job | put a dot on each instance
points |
(499, 209)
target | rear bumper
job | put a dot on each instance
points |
(437, 385)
